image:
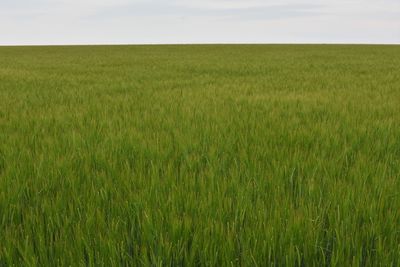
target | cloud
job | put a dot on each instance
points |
(249, 11)
(208, 21)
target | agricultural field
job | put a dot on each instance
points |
(200, 155)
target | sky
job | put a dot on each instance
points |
(54, 22)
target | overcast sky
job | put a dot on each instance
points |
(198, 21)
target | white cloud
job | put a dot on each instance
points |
(199, 21)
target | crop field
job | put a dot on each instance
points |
(213, 155)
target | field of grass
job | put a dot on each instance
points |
(279, 155)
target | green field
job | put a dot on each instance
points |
(214, 155)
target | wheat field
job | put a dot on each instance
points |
(200, 155)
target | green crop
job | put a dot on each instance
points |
(214, 155)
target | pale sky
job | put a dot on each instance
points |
(24, 22)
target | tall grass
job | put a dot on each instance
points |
(200, 156)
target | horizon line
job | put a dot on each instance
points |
(205, 43)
